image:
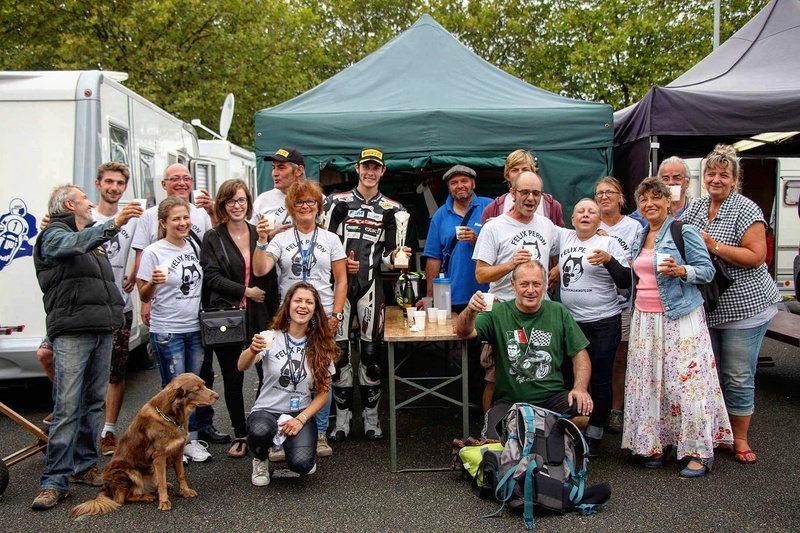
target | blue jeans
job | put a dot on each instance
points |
(604, 336)
(736, 351)
(177, 353)
(82, 364)
(323, 415)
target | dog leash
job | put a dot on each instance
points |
(168, 419)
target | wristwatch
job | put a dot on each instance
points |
(338, 316)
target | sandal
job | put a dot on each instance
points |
(745, 457)
(238, 448)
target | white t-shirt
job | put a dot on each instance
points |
(147, 232)
(273, 201)
(508, 203)
(176, 303)
(587, 290)
(503, 236)
(117, 250)
(624, 232)
(279, 365)
(285, 251)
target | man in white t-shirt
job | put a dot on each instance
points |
(515, 237)
(112, 181)
(178, 182)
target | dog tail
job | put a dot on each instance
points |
(100, 505)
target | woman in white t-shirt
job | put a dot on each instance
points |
(308, 253)
(592, 267)
(171, 278)
(298, 355)
(611, 198)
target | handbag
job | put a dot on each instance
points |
(222, 327)
(721, 282)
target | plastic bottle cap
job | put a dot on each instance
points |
(441, 280)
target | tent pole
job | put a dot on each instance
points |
(654, 146)
(716, 24)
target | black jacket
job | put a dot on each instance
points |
(76, 278)
(223, 277)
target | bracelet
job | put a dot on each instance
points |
(305, 418)
(252, 350)
(261, 246)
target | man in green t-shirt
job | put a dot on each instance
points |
(530, 337)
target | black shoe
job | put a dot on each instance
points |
(211, 434)
(595, 447)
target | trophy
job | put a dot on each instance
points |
(401, 219)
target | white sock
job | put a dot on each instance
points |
(109, 428)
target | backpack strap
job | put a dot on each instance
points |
(527, 514)
(676, 229)
(529, 418)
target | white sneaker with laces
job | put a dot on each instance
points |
(196, 451)
(260, 475)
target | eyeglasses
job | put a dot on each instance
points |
(231, 202)
(605, 194)
(178, 179)
(301, 203)
(677, 178)
(525, 193)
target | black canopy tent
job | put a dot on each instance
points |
(748, 86)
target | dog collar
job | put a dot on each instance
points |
(168, 419)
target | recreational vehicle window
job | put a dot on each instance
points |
(148, 176)
(791, 191)
(118, 144)
(204, 175)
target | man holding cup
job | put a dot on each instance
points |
(365, 221)
(674, 172)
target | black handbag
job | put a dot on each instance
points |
(223, 327)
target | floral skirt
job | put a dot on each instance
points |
(672, 392)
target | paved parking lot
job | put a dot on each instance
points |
(354, 490)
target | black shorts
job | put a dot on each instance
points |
(558, 403)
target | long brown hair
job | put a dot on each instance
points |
(227, 191)
(321, 349)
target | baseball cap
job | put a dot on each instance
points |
(459, 169)
(291, 155)
(371, 154)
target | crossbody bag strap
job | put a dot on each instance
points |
(446, 260)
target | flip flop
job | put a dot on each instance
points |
(238, 448)
(743, 457)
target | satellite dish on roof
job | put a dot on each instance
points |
(226, 117)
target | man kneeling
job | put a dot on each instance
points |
(530, 337)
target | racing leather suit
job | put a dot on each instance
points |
(368, 229)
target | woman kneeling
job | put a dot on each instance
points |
(298, 355)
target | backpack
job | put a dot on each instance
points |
(543, 465)
(711, 291)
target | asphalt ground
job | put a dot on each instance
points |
(355, 491)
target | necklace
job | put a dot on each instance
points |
(242, 234)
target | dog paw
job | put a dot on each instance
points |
(188, 493)
(169, 486)
(148, 498)
(164, 506)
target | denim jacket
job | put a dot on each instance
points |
(678, 297)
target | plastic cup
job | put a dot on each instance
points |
(197, 194)
(441, 316)
(675, 192)
(141, 201)
(488, 297)
(270, 218)
(427, 301)
(660, 258)
(164, 267)
(532, 248)
(411, 310)
(460, 231)
(419, 319)
(269, 336)
(432, 313)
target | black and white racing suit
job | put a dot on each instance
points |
(368, 229)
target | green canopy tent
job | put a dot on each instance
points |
(426, 99)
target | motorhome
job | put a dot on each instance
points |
(221, 160)
(58, 127)
(773, 184)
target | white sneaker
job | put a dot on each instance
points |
(260, 475)
(196, 451)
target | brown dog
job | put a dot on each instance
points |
(154, 441)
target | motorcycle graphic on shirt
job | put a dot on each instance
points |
(527, 361)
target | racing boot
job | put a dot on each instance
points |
(370, 397)
(343, 396)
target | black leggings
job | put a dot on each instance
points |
(228, 357)
(301, 449)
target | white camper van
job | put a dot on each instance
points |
(223, 160)
(774, 184)
(58, 127)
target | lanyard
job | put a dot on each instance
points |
(295, 375)
(305, 253)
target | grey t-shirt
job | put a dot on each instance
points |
(147, 231)
(273, 201)
(503, 236)
(176, 303)
(624, 232)
(279, 364)
(327, 248)
(117, 250)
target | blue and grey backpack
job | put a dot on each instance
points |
(543, 466)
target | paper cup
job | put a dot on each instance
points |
(660, 258)
(269, 336)
(419, 319)
(675, 192)
(488, 297)
(441, 316)
(432, 314)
